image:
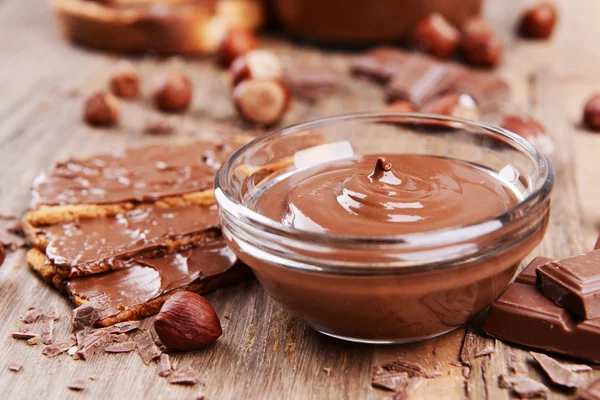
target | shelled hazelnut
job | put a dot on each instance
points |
(101, 108)
(261, 101)
(538, 22)
(256, 64)
(173, 91)
(434, 35)
(480, 45)
(237, 43)
(125, 82)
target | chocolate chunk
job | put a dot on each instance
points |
(163, 365)
(592, 392)
(557, 372)
(127, 326)
(528, 275)
(94, 344)
(487, 89)
(48, 331)
(122, 347)
(572, 283)
(15, 366)
(34, 341)
(523, 315)
(58, 348)
(146, 347)
(389, 380)
(23, 335)
(50, 313)
(380, 63)
(32, 315)
(120, 338)
(310, 83)
(524, 387)
(88, 313)
(77, 385)
(184, 376)
(419, 79)
(485, 352)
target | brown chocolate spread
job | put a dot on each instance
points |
(148, 278)
(137, 174)
(387, 195)
(77, 245)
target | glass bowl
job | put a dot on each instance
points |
(398, 288)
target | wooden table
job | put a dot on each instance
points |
(265, 353)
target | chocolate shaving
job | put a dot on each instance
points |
(58, 348)
(34, 341)
(592, 392)
(32, 315)
(122, 347)
(456, 363)
(123, 327)
(389, 380)
(412, 369)
(50, 313)
(94, 344)
(486, 351)
(578, 367)
(23, 335)
(523, 386)
(48, 331)
(466, 372)
(163, 365)
(88, 313)
(120, 338)
(15, 366)
(558, 373)
(184, 376)
(146, 347)
(77, 385)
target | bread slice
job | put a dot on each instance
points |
(164, 27)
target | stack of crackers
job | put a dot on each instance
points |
(132, 228)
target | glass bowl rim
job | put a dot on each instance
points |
(226, 201)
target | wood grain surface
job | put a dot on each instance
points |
(264, 352)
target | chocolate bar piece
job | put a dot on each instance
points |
(523, 315)
(90, 246)
(573, 283)
(380, 63)
(487, 89)
(419, 79)
(528, 275)
(137, 174)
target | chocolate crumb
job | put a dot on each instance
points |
(32, 315)
(486, 351)
(163, 365)
(120, 338)
(58, 348)
(518, 368)
(389, 380)
(77, 385)
(34, 341)
(147, 349)
(73, 353)
(523, 386)
(122, 347)
(456, 363)
(558, 373)
(48, 331)
(23, 335)
(184, 376)
(434, 374)
(15, 366)
(466, 372)
(50, 313)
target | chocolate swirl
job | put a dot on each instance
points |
(400, 194)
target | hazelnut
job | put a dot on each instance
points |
(454, 105)
(237, 43)
(538, 22)
(261, 101)
(530, 130)
(125, 82)
(173, 91)
(434, 35)
(480, 45)
(401, 106)
(591, 113)
(101, 108)
(187, 321)
(256, 64)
